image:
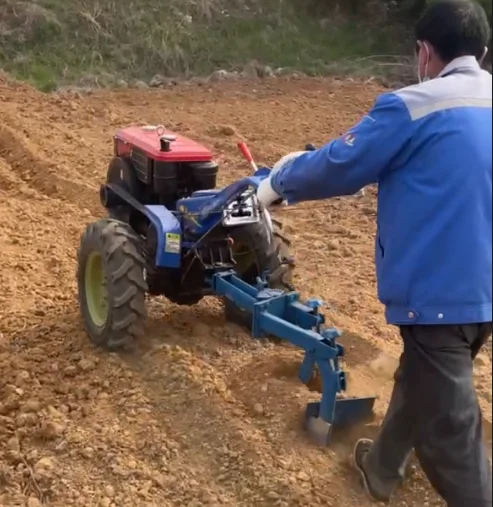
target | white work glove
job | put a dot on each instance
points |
(265, 193)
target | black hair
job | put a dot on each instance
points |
(455, 28)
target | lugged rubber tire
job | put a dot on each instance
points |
(266, 256)
(119, 250)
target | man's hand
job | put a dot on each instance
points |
(265, 193)
(286, 160)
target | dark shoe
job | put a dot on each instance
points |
(361, 451)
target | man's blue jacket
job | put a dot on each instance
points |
(429, 147)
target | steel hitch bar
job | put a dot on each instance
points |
(281, 314)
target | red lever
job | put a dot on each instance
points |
(248, 155)
(246, 151)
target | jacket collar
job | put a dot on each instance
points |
(464, 63)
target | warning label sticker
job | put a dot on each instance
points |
(173, 243)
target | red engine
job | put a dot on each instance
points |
(168, 166)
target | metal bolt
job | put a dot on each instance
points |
(441, 316)
(411, 315)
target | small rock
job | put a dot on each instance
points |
(303, 476)
(265, 71)
(13, 445)
(272, 495)
(145, 488)
(218, 76)
(251, 71)
(258, 409)
(347, 252)
(119, 471)
(45, 466)
(227, 130)
(22, 377)
(52, 430)
(26, 420)
(109, 491)
(156, 81)
(12, 457)
(197, 81)
(334, 244)
(105, 502)
(282, 71)
(54, 413)
(88, 452)
(33, 502)
(31, 406)
(62, 446)
(32, 456)
(159, 81)
(86, 365)
(70, 371)
(159, 480)
(140, 85)
(10, 390)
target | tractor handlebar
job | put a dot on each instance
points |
(233, 191)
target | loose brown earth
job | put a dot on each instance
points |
(201, 415)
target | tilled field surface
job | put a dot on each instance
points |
(200, 415)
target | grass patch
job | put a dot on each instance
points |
(59, 41)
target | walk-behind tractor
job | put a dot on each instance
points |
(170, 232)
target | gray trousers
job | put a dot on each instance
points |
(435, 411)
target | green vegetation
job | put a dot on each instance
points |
(49, 42)
(52, 41)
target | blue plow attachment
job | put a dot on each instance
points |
(281, 314)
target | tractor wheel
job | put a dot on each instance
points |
(257, 251)
(112, 288)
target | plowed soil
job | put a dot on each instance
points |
(200, 415)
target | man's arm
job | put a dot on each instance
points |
(345, 166)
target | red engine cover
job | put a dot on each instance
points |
(148, 140)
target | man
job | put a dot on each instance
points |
(429, 147)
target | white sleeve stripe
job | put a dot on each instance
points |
(451, 103)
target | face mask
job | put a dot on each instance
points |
(423, 46)
(484, 56)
